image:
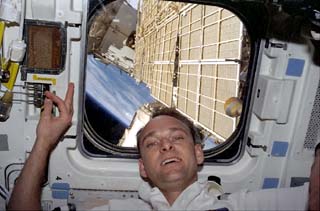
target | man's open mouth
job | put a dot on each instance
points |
(170, 160)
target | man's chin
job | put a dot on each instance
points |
(173, 176)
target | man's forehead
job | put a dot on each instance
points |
(164, 122)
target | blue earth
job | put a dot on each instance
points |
(112, 98)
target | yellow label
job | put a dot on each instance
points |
(52, 80)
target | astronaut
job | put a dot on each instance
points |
(171, 152)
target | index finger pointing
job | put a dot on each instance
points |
(69, 97)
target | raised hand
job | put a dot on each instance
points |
(51, 128)
(27, 191)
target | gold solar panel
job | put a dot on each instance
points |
(206, 41)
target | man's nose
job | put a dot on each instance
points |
(166, 145)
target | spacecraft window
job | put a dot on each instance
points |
(144, 54)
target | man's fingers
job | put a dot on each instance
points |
(65, 107)
(69, 97)
(58, 101)
(47, 108)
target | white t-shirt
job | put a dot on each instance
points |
(199, 197)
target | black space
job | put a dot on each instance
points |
(104, 123)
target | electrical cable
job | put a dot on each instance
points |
(5, 173)
(3, 195)
(2, 188)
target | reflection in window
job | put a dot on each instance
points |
(192, 57)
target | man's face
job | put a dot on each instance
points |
(169, 157)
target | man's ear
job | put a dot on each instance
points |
(142, 171)
(199, 153)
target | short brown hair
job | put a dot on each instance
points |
(165, 111)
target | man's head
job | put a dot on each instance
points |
(171, 150)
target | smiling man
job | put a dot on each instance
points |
(169, 156)
(171, 153)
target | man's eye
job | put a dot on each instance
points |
(178, 137)
(150, 144)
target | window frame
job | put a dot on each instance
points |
(233, 148)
